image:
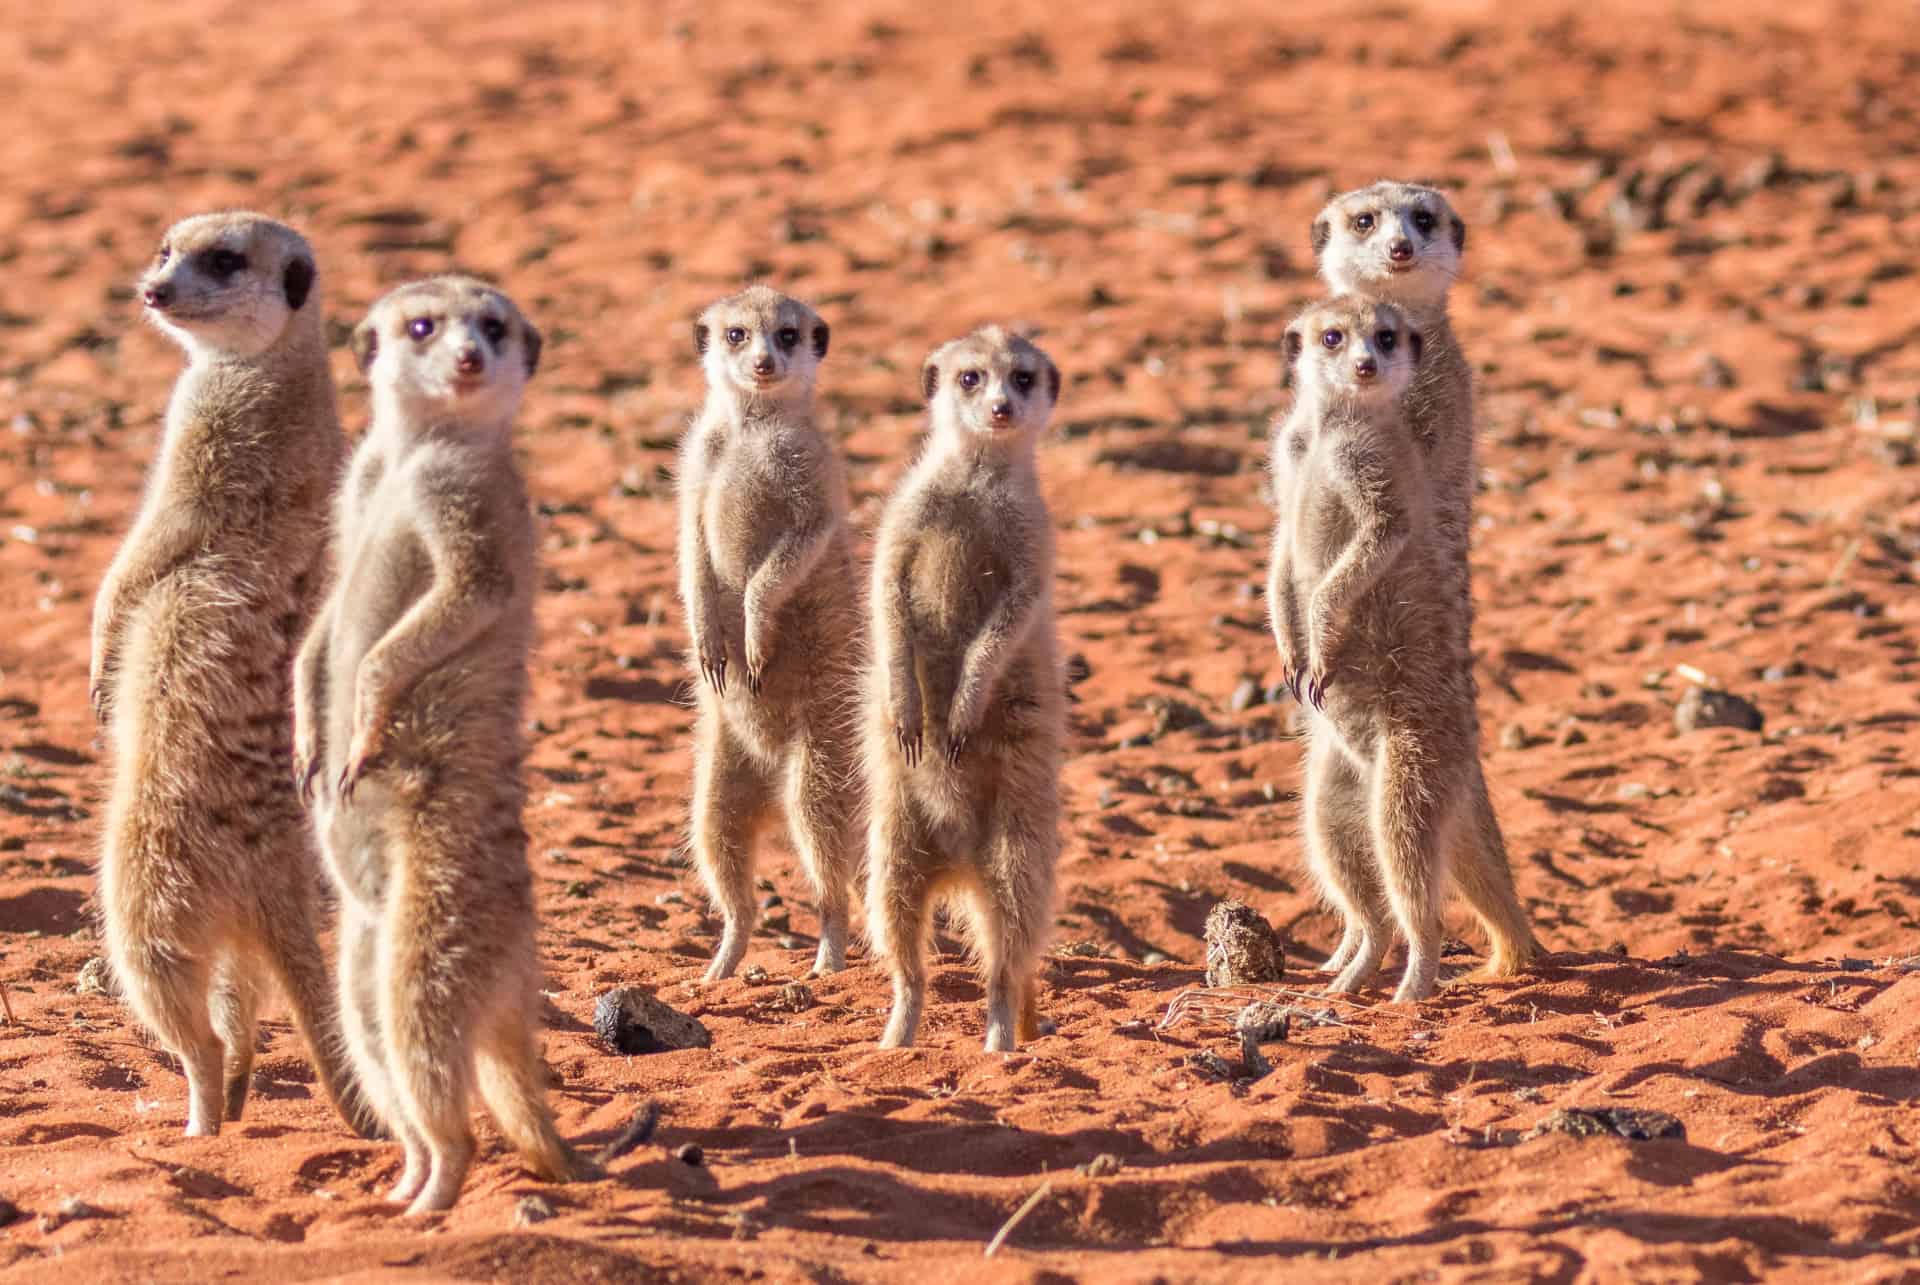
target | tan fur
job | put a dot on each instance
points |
(767, 577)
(1358, 260)
(965, 700)
(208, 875)
(409, 698)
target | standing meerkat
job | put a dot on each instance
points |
(767, 577)
(1363, 618)
(965, 698)
(208, 873)
(409, 693)
(1402, 243)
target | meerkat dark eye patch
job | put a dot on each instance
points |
(1386, 339)
(1331, 339)
(736, 335)
(821, 334)
(160, 260)
(493, 330)
(297, 282)
(969, 379)
(1022, 381)
(421, 328)
(224, 263)
(1423, 220)
(787, 337)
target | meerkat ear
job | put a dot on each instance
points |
(1291, 343)
(1322, 233)
(366, 345)
(1415, 344)
(930, 380)
(533, 342)
(821, 333)
(1459, 234)
(297, 282)
(1053, 383)
(700, 338)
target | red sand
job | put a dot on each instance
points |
(1728, 910)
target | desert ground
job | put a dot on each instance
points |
(1692, 300)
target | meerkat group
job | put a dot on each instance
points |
(306, 662)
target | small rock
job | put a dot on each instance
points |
(673, 897)
(1625, 1122)
(1153, 957)
(1170, 715)
(1245, 696)
(1715, 373)
(1242, 947)
(9, 1212)
(629, 1020)
(71, 1210)
(1513, 737)
(787, 941)
(96, 978)
(531, 1210)
(1210, 1064)
(1258, 1024)
(1101, 1166)
(690, 1154)
(754, 975)
(1710, 707)
(1571, 735)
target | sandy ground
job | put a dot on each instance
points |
(1692, 302)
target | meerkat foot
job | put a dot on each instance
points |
(733, 948)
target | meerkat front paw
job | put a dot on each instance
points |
(713, 662)
(306, 762)
(908, 730)
(759, 653)
(363, 755)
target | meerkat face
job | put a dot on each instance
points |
(1348, 348)
(449, 347)
(990, 383)
(1395, 241)
(229, 283)
(760, 343)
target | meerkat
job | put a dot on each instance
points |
(1362, 618)
(965, 698)
(409, 692)
(1403, 243)
(208, 875)
(767, 578)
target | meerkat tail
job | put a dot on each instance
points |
(1485, 879)
(293, 953)
(512, 1083)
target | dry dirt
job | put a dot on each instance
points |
(1692, 301)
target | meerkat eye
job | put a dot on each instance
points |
(166, 252)
(420, 327)
(736, 335)
(1423, 220)
(788, 337)
(1386, 339)
(969, 379)
(1331, 339)
(494, 329)
(226, 262)
(1023, 380)
(1363, 223)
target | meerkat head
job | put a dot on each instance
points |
(1395, 241)
(1352, 349)
(231, 284)
(990, 384)
(450, 347)
(761, 344)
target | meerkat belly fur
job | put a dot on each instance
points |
(208, 874)
(410, 692)
(767, 579)
(1403, 243)
(965, 699)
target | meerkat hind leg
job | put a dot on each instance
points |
(729, 798)
(1335, 805)
(360, 1031)
(428, 1014)
(1010, 907)
(170, 993)
(818, 820)
(899, 906)
(1413, 815)
(233, 1007)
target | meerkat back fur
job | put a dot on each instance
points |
(767, 579)
(1403, 243)
(965, 699)
(410, 692)
(208, 874)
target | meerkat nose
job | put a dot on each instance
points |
(1400, 249)
(1001, 410)
(1365, 368)
(470, 362)
(763, 365)
(158, 297)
